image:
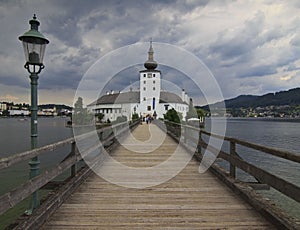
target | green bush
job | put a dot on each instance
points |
(173, 116)
(121, 119)
(135, 116)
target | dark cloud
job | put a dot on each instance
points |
(65, 29)
(235, 47)
(124, 79)
(258, 71)
(232, 44)
(11, 80)
(68, 79)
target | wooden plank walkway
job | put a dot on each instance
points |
(188, 201)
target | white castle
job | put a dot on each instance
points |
(150, 100)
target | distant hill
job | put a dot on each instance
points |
(290, 97)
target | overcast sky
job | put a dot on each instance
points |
(251, 47)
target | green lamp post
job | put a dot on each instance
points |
(34, 44)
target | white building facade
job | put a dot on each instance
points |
(150, 100)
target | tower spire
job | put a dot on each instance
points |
(150, 63)
(150, 52)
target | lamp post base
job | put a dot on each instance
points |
(34, 164)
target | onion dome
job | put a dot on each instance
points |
(150, 64)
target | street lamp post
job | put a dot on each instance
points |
(34, 44)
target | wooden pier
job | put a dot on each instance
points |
(215, 199)
(188, 201)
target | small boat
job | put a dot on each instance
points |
(22, 119)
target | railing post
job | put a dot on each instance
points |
(232, 153)
(184, 134)
(167, 127)
(101, 135)
(199, 143)
(73, 153)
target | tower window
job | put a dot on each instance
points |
(153, 88)
(153, 82)
(144, 99)
(149, 107)
(144, 82)
(144, 88)
(154, 75)
(144, 75)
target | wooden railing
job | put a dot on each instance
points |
(264, 178)
(107, 137)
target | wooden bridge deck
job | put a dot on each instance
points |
(188, 201)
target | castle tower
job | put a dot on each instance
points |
(150, 85)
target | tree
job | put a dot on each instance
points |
(135, 116)
(78, 104)
(192, 113)
(173, 116)
(99, 116)
(81, 116)
(5, 113)
(200, 113)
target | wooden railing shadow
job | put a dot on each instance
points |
(108, 137)
(264, 180)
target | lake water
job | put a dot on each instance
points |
(15, 138)
(275, 133)
(278, 133)
(15, 133)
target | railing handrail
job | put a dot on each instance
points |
(265, 179)
(13, 197)
(288, 155)
(8, 161)
(13, 159)
(287, 188)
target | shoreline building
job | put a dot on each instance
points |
(150, 100)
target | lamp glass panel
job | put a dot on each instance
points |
(34, 50)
